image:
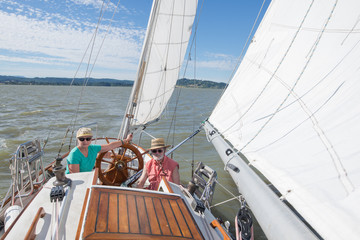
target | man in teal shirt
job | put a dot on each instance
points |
(82, 157)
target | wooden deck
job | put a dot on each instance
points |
(125, 214)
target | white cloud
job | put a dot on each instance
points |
(218, 61)
(36, 37)
(94, 3)
(98, 4)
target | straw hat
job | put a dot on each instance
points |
(84, 132)
(158, 143)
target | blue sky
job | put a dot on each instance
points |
(48, 38)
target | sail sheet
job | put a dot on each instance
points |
(165, 45)
(292, 108)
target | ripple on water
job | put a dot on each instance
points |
(35, 112)
(10, 132)
(3, 143)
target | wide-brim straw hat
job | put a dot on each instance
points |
(84, 132)
(158, 143)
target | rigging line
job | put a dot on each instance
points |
(102, 12)
(193, 125)
(313, 87)
(68, 91)
(131, 110)
(348, 186)
(63, 141)
(189, 55)
(193, 39)
(92, 40)
(297, 80)
(227, 190)
(152, 32)
(336, 160)
(310, 116)
(230, 199)
(89, 44)
(93, 43)
(88, 63)
(242, 52)
(194, 77)
(70, 85)
(165, 61)
(173, 120)
(193, 43)
(351, 31)
(103, 40)
(275, 71)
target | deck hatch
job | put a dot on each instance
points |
(125, 214)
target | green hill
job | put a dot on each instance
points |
(15, 80)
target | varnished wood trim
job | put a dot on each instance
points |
(167, 185)
(123, 213)
(11, 226)
(81, 220)
(216, 224)
(92, 213)
(185, 230)
(190, 219)
(171, 218)
(95, 177)
(126, 214)
(130, 236)
(103, 212)
(30, 235)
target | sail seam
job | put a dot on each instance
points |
(163, 77)
(342, 174)
(271, 78)
(167, 70)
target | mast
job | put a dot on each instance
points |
(134, 96)
(164, 49)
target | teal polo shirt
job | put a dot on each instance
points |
(86, 164)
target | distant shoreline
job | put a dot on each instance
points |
(106, 82)
(14, 80)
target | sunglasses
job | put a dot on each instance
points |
(83, 139)
(157, 150)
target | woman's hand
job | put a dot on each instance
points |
(129, 138)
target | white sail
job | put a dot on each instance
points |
(292, 109)
(168, 34)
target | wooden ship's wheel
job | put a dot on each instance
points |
(118, 167)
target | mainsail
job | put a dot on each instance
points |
(165, 45)
(292, 109)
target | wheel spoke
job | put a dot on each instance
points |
(103, 160)
(135, 157)
(135, 169)
(109, 170)
(115, 178)
(123, 154)
(111, 175)
(107, 140)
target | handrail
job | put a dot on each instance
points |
(26, 154)
(31, 232)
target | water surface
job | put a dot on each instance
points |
(45, 112)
